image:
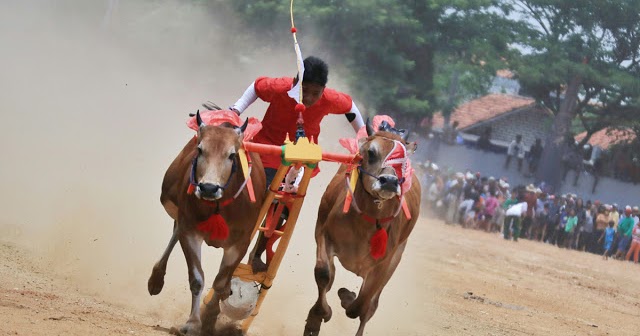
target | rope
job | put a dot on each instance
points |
(296, 46)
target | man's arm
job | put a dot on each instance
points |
(354, 117)
(248, 97)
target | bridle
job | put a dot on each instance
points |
(399, 164)
(234, 169)
(194, 165)
(388, 162)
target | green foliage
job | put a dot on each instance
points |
(599, 41)
(401, 55)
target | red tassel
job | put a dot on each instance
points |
(216, 226)
(379, 244)
(191, 189)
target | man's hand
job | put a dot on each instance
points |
(234, 110)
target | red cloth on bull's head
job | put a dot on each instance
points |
(217, 118)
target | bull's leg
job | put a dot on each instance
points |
(575, 180)
(365, 305)
(156, 280)
(324, 272)
(191, 244)
(222, 286)
(596, 179)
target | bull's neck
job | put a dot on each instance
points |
(372, 206)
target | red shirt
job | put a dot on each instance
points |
(281, 117)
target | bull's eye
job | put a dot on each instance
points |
(199, 150)
(371, 155)
(232, 156)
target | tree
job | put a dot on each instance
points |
(407, 58)
(579, 59)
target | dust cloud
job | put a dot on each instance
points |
(91, 116)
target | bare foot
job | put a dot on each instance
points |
(257, 265)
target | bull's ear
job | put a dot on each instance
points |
(362, 141)
(240, 130)
(370, 130)
(199, 120)
(411, 147)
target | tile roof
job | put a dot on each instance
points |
(482, 109)
(604, 138)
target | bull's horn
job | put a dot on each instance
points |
(199, 119)
(242, 128)
(405, 134)
(370, 130)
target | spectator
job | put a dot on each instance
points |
(542, 218)
(551, 235)
(484, 141)
(490, 206)
(607, 235)
(585, 242)
(625, 228)
(535, 153)
(512, 221)
(561, 231)
(516, 148)
(570, 229)
(614, 215)
(635, 244)
(602, 221)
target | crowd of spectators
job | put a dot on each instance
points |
(527, 212)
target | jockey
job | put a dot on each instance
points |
(280, 118)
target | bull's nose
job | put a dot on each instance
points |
(388, 182)
(208, 189)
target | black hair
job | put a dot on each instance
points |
(315, 71)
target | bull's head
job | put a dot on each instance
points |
(216, 158)
(382, 155)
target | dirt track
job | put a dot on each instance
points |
(451, 282)
(89, 121)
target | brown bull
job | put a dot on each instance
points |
(349, 236)
(193, 198)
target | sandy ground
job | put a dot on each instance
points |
(90, 118)
(451, 281)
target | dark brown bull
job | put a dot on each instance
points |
(217, 178)
(348, 236)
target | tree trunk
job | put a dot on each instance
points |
(550, 169)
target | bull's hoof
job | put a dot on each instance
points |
(346, 297)
(308, 332)
(188, 329)
(317, 314)
(229, 330)
(257, 265)
(156, 281)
